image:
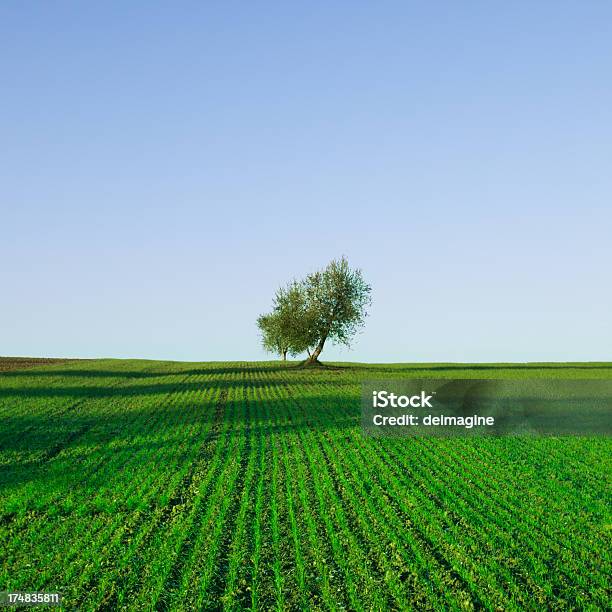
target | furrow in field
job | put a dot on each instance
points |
(558, 533)
(405, 548)
(162, 558)
(156, 496)
(436, 494)
(260, 561)
(125, 413)
(469, 525)
(235, 547)
(457, 568)
(75, 513)
(519, 503)
(27, 407)
(323, 587)
(348, 545)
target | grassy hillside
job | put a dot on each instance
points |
(140, 484)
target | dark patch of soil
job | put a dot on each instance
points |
(16, 363)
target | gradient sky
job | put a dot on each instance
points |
(165, 166)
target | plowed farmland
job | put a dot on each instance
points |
(186, 486)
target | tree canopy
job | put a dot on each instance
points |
(282, 329)
(328, 305)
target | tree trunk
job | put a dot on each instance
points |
(314, 358)
(285, 355)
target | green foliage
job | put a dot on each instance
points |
(273, 339)
(336, 298)
(284, 329)
(327, 305)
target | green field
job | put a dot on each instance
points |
(161, 485)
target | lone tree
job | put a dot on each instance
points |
(337, 299)
(327, 305)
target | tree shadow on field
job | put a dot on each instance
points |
(133, 391)
(84, 374)
(399, 368)
(59, 453)
(130, 384)
(158, 371)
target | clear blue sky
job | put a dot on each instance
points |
(165, 166)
